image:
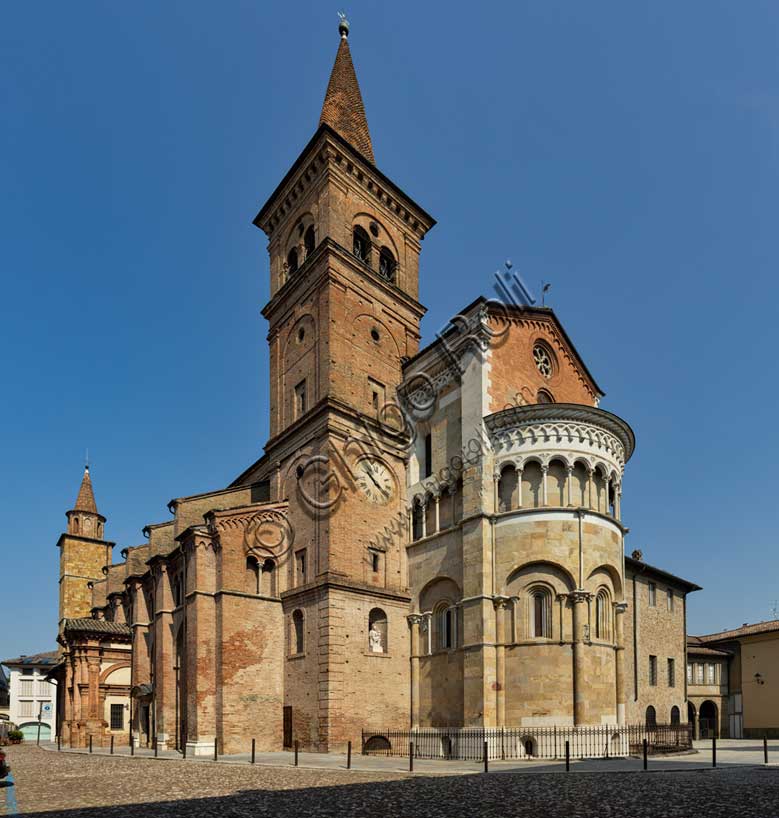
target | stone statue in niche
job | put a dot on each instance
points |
(374, 640)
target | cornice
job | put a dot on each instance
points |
(500, 423)
(325, 150)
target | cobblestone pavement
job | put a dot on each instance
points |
(79, 786)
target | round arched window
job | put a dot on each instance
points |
(543, 360)
(544, 397)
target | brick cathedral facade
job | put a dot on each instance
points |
(431, 538)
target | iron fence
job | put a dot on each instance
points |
(467, 744)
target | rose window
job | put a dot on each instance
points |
(543, 360)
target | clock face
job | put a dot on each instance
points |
(374, 480)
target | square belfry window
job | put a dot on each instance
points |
(652, 595)
(300, 399)
(117, 717)
(300, 566)
(376, 392)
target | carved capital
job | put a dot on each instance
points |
(620, 607)
(500, 601)
(580, 595)
(414, 619)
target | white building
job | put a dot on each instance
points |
(32, 696)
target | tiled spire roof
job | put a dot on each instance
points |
(86, 497)
(343, 110)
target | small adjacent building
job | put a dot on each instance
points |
(655, 630)
(5, 698)
(733, 679)
(32, 697)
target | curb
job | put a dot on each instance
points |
(427, 773)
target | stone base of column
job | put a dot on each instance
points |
(200, 747)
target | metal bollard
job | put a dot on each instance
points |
(216, 748)
(411, 756)
(296, 752)
(567, 756)
(132, 745)
(253, 748)
(486, 758)
(713, 751)
(155, 747)
(349, 755)
(645, 751)
(765, 749)
(59, 745)
(90, 744)
(112, 745)
(184, 749)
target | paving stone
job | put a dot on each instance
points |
(80, 786)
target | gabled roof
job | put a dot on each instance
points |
(343, 109)
(696, 648)
(89, 625)
(86, 497)
(48, 658)
(744, 630)
(515, 310)
(641, 567)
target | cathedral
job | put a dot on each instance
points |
(432, 537)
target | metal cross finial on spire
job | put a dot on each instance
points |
(343, 25)
(86, 460)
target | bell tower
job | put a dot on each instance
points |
(83, 554)
(344, 243)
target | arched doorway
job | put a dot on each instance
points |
(30, 731)
(651, 718)
(707, 720)
(675, 715)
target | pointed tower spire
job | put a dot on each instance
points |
(86, 497)
(343, 110)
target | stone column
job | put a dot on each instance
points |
(618, 500)
(500, 603)
(414, 621)
(590, 488)
(519, 486)
(437, 513)
(544, 472)
(424, 518)
(495, 494)
(578, 598)
(569, 478)
(619, 657)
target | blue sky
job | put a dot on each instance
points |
(625, 152)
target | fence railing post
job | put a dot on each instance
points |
(567, 755)
(713, 751)
(765, 749)
(349, 755)
(645, 743)
(486, 757)
(254, 746)
(411, 756)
